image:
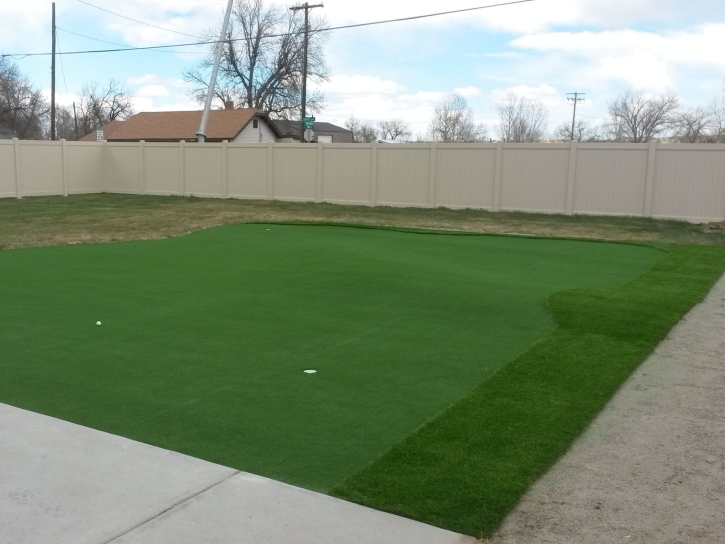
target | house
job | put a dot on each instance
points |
(106, 131)
(234, 125)
(325, 133)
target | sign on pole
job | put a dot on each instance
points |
(309, 123)
(309, 134)
(99, 135)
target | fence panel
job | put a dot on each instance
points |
(534, 178)
(203, 170)
(403, 175)
(679, 181)
(85, 168)
(162, 172)
(7, 169)
(610, 187)
(689, 183)
(465, 177)
(346, 174)
(41, 168)
(122, 168)
(295, 172)
(247, 171)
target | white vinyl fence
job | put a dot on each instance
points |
(679, 181)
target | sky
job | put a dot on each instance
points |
(542, 50)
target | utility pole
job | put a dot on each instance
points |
(574, 97)
(201, 133)
(52, 83)
(307, 7)
(75, 118)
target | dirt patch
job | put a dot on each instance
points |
(651, 468)
(102, 218)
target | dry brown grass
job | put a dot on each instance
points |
(102, 218)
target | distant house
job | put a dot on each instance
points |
(233, 125)
(325, 133)
(106, 131)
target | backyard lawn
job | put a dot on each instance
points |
(451, 369)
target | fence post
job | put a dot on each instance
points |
(104, 165)
(142, 173)
(16, 151)
(320, 165)
(65, 166)
(497, 175)
(270, 170)
(225, 190)
(182, 168)
(432, 175)
(571, 181)
(374, 175)
(649, 187)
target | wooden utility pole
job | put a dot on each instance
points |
(307, 7)
(52, 83)
(574, 97)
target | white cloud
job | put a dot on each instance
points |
(467, 91)
(152, 91)
(358, 84)
(645, 60)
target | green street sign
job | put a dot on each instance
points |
(309, 123)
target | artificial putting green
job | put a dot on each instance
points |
(205, 338)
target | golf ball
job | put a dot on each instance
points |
(98, 323)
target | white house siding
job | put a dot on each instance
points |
(250, 135)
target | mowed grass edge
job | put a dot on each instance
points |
(468, 467)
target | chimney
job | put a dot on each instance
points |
(228, 105)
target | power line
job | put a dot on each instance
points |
(137, 21)
(343, 27)
(116, 43)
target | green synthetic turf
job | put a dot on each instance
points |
(468, 467)
(205, 338)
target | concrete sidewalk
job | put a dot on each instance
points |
(62, 483)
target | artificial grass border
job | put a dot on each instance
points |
(468, 467)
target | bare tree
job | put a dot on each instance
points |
(639, 117)
(262, 62)
(692, 126)
(362, 133)
(453, 122)
(583, 132)
(65, 125)
(99, 105)
(717, 116)
(521, 119)
(395, 130)
(23, 109)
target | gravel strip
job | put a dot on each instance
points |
(651, 468)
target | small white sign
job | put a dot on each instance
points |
(99, 135)
(309, 134)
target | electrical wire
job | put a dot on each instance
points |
(137, 21)
(343, 27)
(62, 69)
(123, 44)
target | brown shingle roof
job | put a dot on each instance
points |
(108, 129)
(165, 126)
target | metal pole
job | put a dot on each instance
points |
(52, 83)
(304, 73)
(307, 7)
(201, 133)
(75, 119)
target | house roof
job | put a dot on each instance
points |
(291, 129)
(108, 130)
(182, 125)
